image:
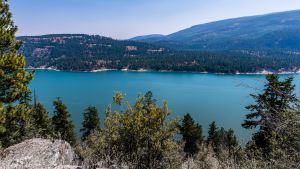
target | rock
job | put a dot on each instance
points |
(39, 154)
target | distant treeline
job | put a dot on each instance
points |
(78, 52)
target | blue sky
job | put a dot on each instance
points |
(123, 19)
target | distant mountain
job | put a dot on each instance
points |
(148, 38)
(275, 30)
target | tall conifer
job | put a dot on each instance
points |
(212, 133)
(62, 123)
(274, 107)
(90, 122)
(191, 134)
(41, 121)
(14, 80)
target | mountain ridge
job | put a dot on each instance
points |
(273, 30)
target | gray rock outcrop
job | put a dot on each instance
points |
(39, 154)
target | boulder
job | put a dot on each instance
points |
(39, 154)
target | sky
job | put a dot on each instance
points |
(123, 19)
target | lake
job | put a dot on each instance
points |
(207, 97)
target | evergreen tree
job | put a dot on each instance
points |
(14, 118)
(221, 139)
(218, 142)
(17, 124)
(212, 134)
(273, 108)
(224, 140)
(41, 121)
(62, 123)
(191, 134)
(90, 122)
(231, 141)
(14, 78)
(221, 134)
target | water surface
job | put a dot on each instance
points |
(206, 97)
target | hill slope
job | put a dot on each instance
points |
(148, 38)
(275, 30)
(79, 52)
(82, 52)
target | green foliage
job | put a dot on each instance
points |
(148, 100)
(14, 78)
(2, 119)
(225, 140)
(23, 121)
(8, 30)
(212, 134)
(276, 106)
(42, 122)
(141, 136)
(62, 122)
(118, 98)
(256, 32)
(85, 53)
(90, 122)
(145, 134)
(230, 141)
(191, 134)
(17, 125)
(15, 121)
(221, 139)
(2, 122)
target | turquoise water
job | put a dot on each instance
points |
(206, 97)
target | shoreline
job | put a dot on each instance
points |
(264, 72)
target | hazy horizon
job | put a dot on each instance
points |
(122, 20)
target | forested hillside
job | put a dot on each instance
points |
(271, 31)
(79, 52)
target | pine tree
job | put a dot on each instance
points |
(231, 141)
(273, 108)
(212, 134)
(191, 134)
(218, 142)
(90, 122)
(14, 78)
(62, 123)
(224, 140)
(17, 125)
(41, 121)
(222, 133)
(221, 139)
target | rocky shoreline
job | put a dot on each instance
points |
(263, 72)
